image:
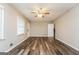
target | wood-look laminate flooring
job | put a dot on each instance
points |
(45, 46)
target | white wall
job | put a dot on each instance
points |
(67, 28)
(39, 29)
(10, 19)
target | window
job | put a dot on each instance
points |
(20, 25)
(1, 22)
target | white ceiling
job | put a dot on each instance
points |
(56, 9)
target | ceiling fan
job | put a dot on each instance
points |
(40, 12)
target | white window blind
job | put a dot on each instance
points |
(1, 23)
(20, 25)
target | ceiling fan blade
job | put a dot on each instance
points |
(47, 13)
(36, 16)
(34, 11)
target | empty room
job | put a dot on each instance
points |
(39, 28)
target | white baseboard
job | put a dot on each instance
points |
(15, 45)
(67, 44)
(41, 36)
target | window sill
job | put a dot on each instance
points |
(2, 39)
(20, 34)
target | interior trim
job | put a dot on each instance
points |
(69, 47)
(15, 45)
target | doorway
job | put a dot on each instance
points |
(50, 30)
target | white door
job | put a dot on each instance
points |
(50, 30)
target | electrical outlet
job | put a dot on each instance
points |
(11, 44)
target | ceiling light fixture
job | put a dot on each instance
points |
(40, 12)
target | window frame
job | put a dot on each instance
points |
(2, 15)
(20, 18)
